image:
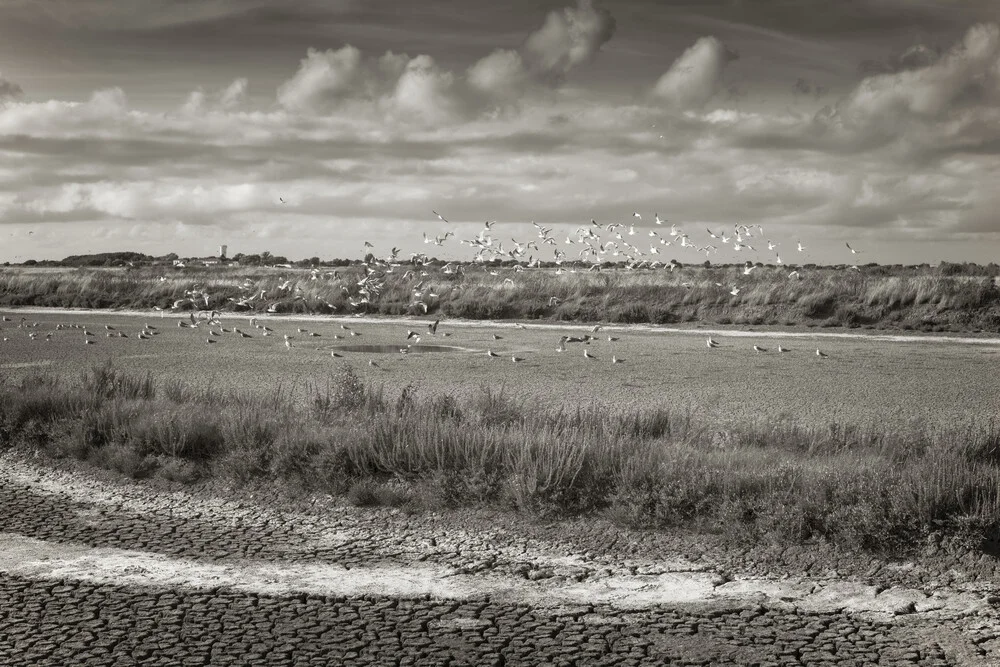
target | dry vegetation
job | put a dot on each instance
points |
(868, 488)
(948, 297)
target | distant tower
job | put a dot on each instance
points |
(222, 251)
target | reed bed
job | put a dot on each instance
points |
(927, 298)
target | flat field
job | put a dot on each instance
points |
(866, 379)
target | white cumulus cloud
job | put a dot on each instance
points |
(696, 75)
(325, 79)
(569, 38)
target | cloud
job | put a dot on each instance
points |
(928, 92)
(568, 38)
(426, 92)
(501, 75)
(325, 79)
(914, 57)
(696, 75)
(234, 94)
(9, 89)
(228, 99)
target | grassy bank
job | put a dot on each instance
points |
(859, 486)
(920, 298)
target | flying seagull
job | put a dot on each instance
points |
(438, 215)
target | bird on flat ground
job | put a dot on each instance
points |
(783, 349)
(336, 355)
(516, 358)
(711, 343)
(587, 354)
(496, 337)
(433, 327)
(371, 362)
(87, 341)
(612, 339)
(345, 327)
(209, 340)
(301, 330)
(616, 360)
(821, 354)
(355, 333)
(491, 353)
(758, 349)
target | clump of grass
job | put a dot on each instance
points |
(858, 485)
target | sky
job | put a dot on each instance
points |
(306, 128)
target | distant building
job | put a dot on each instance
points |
(222, 251)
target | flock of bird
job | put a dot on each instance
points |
(588, 248)
(211, 322)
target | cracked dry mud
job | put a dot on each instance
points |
(99, 572)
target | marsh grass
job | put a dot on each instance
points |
(863, 486)
(931, 298)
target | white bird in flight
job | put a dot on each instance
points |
(438, 215)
